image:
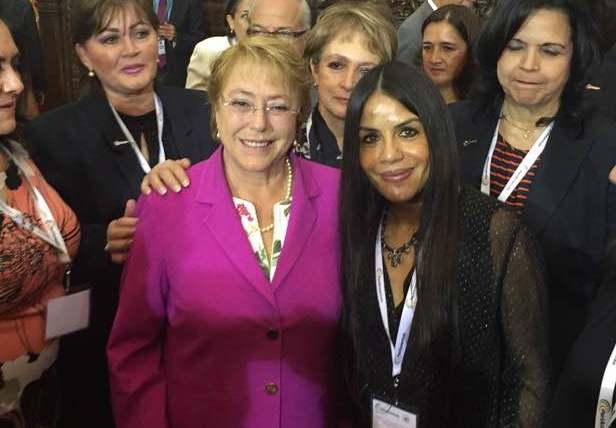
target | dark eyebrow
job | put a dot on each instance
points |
(554, 44)
(398, 126)
(408, 122)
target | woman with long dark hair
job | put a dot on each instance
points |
(444, 306)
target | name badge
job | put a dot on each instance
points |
(161, 47)
(386, 415)
(67, 314)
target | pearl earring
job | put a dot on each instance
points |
(91, 73)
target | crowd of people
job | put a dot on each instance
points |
(314, 220)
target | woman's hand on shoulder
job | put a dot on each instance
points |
(170, 174)
(120, 234)
(613, 175)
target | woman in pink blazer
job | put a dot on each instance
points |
(230, 297)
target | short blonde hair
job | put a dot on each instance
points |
(279, 56)
(370, 18)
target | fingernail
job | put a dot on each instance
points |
(176, 189)
(148, 191)
(185, 183)
(162, 191)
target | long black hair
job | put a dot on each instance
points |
(504, 23)
(361, 207)
(468, 25)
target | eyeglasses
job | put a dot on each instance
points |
(242, 107)
(283, 34)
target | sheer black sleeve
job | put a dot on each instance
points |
(523, 317)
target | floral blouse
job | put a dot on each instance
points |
(250, 223)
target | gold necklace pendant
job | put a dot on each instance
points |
(526, 132)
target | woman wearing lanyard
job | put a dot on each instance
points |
(527, 142)
(39, 235)
(95, 152)
(444, 300)
(348, 39)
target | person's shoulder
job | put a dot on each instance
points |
(184, 95)
(212, 44)
(319, 179)
(319, 172)
(463, 108)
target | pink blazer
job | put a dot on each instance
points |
(202, 338)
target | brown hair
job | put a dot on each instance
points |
(369, 18)
(90, 17)
(279, 56)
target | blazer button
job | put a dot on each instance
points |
(272, 334)
(271, 388)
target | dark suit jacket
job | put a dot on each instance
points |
(575, 397)
(604, 98)
(571, 208)
(187, 17)
(73, 147)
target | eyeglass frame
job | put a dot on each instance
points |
(278, 33)
(266, 109)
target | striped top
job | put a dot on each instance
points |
(505, 161)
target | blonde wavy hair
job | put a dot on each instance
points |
(369, 18)
(279, 57)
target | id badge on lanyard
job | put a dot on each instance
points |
(63, 314)
(385, 414)
(145, 166)
(522, 169)
(605, 414)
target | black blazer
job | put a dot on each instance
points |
(187, 17)
(73, 147)
(575, 397)
(571, 208)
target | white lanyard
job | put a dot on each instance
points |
(432, 5)
(308, 129)
(406, 320)
(131, 140)
(522, 169)
(605, 413)
(50, 232)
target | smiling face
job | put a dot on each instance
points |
(443, 54)
(255, 141)
(11, 85)
(343, 62)
(123, 55)
(534, 66)
(394, 151)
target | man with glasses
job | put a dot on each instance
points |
(286, 19)
(289, 19)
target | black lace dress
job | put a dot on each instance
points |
(501, 377)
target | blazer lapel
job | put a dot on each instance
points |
(181, 127)
(225, 226)
(562, 158)
(474, 145)
(123, 156)
(301, 222)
